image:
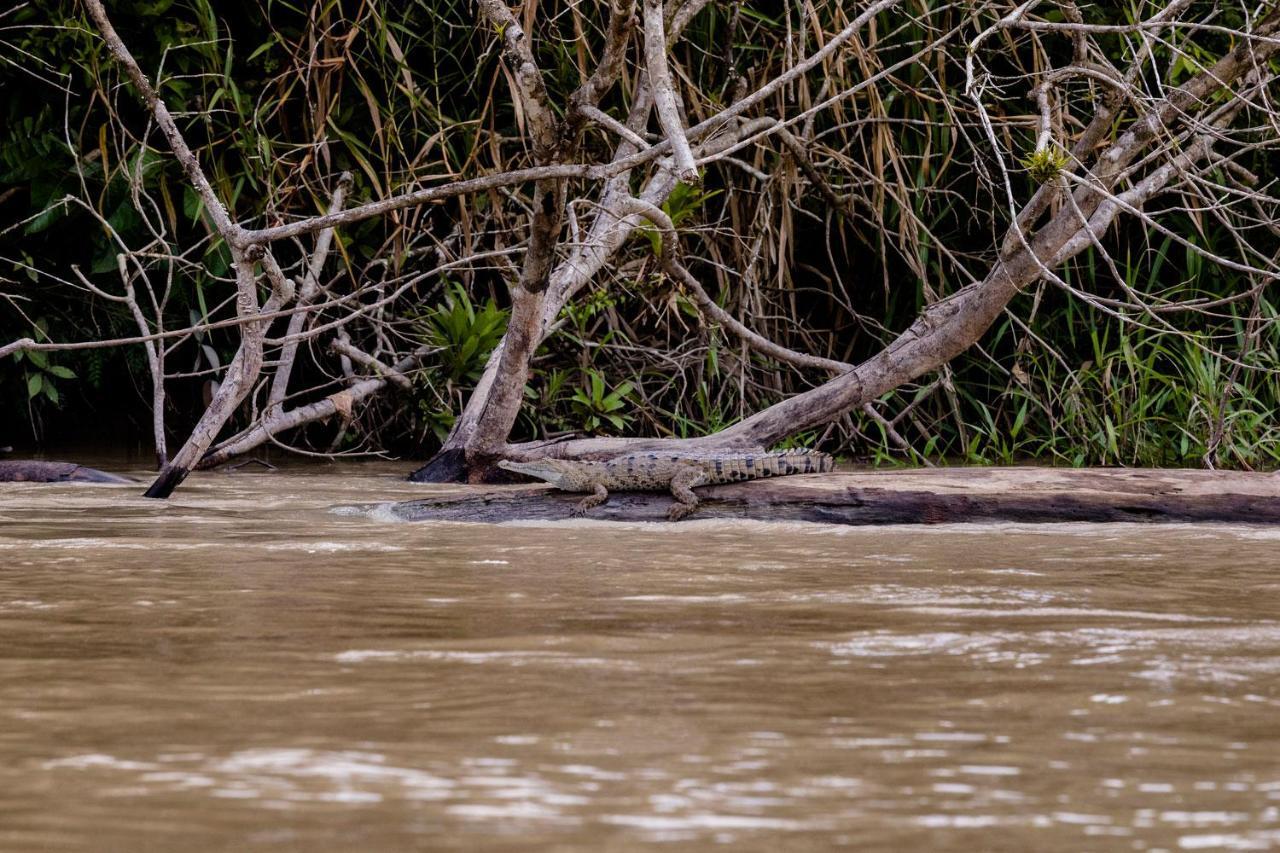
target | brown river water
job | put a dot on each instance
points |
(240, 668)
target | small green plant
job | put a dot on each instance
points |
(806, 440)
(546, 404)
(685, 200)
(582, 311)
(465, 334)
(595, 405)
(435, 419)
(707, 414)
(39, 374)
(1044, 164)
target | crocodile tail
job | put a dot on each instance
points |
(784, 462)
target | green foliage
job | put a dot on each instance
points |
(1044, 164)
(547, 401)
(684, 202)
(706, 415)
(582, 312)
(806, 440)
(466, 335)
(589, 407)
(437, 421)
(595, 405)
(1135, 398)
(39, 374)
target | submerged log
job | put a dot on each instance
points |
(932, 496)
(40, 471)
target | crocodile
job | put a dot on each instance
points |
(641, 472)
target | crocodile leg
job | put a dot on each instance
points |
(599, 496)
(682, 491)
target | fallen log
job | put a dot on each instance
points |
(41, 471)
(932, 496)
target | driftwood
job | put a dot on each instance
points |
(40, 471)
(931, 496)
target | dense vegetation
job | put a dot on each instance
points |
(279, 98)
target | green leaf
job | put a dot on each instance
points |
(35, 382)
(1018, 422)
(104, 261)
(62, 372)
(192, 204)
(51, 214)
(262, 48)
(218, 260)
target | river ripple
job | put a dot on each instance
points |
(241, 669)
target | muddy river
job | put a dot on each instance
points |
(240, 668)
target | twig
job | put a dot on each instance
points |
(664, 96)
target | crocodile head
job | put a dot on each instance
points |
(554, 471)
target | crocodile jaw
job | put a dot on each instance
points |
(534, 469)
